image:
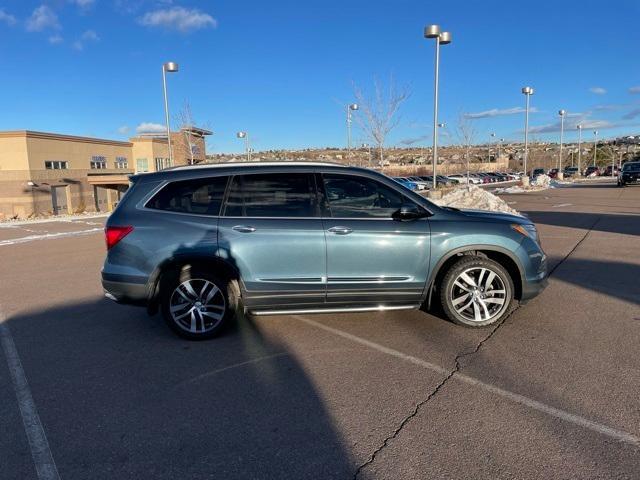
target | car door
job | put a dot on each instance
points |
(372, 258)
(271, 231)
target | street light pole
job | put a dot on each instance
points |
(595, 146)
(562, 113)
(350, 108)
(527, 91)
(442, 38)
(245, 135)
(170, 67)
(492, 135)
(500, 147)
(579, 127)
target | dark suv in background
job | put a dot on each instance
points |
(273, 238)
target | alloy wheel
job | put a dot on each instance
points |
(478, 294)
(197, 305)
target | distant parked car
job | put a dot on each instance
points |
(463, 179)
(422, 185)
(607, 172)
(537, 172)
(553, 173)
(570, 172)
(630, 174)
(592, 171)
(429, 180)
(413, 186)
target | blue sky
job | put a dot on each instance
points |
(283, 70)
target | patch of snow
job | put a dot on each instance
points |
(32, 238)
(476, 198)
(543, 181)
(10, 223)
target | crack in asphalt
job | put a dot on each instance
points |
(458, 367)
(435, 391)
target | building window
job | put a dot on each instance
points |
(142, 165)
(98, 162)
(162, 163)
(121, 162)
(56, 165)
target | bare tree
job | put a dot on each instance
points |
(465, 135)
(185, 121)
(380, 110)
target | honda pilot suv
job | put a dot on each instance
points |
(199, 243)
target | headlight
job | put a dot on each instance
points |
(527, 229)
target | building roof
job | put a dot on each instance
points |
(62, 137)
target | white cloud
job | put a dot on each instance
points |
(496, 112)
(598, 90)
(7, 18)
(149, 127)
(87, 36)
(634, 89)
(123, 130)
(55, 39)
(42, 18)
(83, 3)
(178, 18)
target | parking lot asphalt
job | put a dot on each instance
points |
(91, 389)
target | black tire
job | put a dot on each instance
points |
(487, 304)
(173, 291)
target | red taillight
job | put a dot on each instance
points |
(113, 235)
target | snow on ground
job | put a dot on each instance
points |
(10, 223)
(475, 198)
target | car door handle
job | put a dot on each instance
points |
(340, 230)
(244, 228)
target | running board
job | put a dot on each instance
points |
(303, 311)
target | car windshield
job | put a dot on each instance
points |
(631, 167)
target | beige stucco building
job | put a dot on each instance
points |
(48, 173)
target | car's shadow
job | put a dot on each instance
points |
(123, 397)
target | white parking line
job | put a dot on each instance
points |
(40, 452)
(562, 205)
(515, 397)
(48, 236)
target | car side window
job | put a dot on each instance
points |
(272, 195)
(351, 196)
(201, 196)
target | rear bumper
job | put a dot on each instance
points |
(134, 293)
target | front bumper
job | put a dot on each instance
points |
(531, 289)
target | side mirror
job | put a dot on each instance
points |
(409, 211)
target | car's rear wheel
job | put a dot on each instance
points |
(476, 292)
(195, 304)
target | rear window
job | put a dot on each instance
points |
(202, 196)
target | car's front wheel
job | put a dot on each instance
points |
(476, 291)
(195, 304)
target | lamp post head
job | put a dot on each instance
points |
(442, 125)
(595, 132)
(431, 31)
(492, 134)
(579, 127)
(365, 145)
(354, 106)
(502, 139)
(170, 67)
(562, 113)
(445, 38)
(527, 90)
(241, 134)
